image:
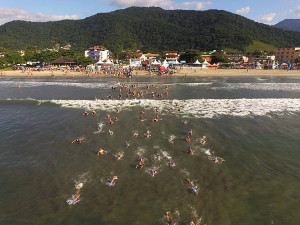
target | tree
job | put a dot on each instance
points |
(219, 57)
(46, 56)
(30, 53)
(14, 58)
(191, 56)
(84, 61)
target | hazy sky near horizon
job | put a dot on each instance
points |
(264, 11)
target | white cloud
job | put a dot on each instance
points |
(169, 4)
(242, 11)
(267, 18)
(145, 3)
(196, 5)
(9, 14)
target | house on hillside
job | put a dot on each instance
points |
(98, 53)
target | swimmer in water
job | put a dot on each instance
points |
(110, 132)
(153, 173)
(77, 196)
(85, 113)
(93, 113)
(77, 140)
(169, 217)
(188, 139)
(101, 152)
(119, 155)
(155, 119)
(171, 164)
(117, 110)
(116, 119)
(140, 165)
(127, 144)
(190, 151)
(185, 122)
(203, 141)
(217, 159)
(148, 135)
(112, 181)
(107, 116)
(135, 134)
(110, 121)
(141, 118)
(194, 190)
(190, 133)
(158, 157)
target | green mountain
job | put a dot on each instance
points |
(148, 29)
(289, 24)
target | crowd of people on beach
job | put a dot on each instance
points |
(124, 91)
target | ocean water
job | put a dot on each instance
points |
(251, 124)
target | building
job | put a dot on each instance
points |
(206, 57)
(63, 61)
(171, 55)
(98, 53)
(150, 57)
(287, 54)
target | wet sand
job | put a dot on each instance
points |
(182, 72)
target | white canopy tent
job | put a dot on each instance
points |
(155, 63)
(197, 62)
(99, 62)
(108, 62)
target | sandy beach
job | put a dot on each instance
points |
(182, 72)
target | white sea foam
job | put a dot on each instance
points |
(198, 108)
(261, 86)
(62, 84)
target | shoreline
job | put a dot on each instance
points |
(179, 73)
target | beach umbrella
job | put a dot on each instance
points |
(162, 68)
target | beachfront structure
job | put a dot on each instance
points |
(63, 61)
(287, 54)
(206, 57)
(151, 57)
(171, 55)
(98, 53)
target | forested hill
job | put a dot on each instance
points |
(289, 24)
(149, 29)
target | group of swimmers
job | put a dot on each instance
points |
(191, 187)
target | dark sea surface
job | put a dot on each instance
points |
(253, 124)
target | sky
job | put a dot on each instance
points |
(263, 11)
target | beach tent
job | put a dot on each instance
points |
(108, 62)
(197, 62)
(99, 62)
(205, 64)
(155, 63)
(165, 64)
